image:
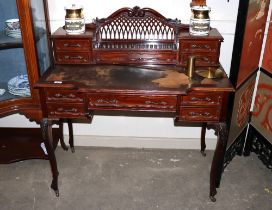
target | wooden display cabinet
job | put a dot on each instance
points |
(22, 61)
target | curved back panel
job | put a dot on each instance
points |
(136, 24)
(137, 28)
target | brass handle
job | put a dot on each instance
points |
(73, 57)
(58, 95)
(204, 58)
(197, 114)
(114, 101)
(156, 103)
(201, 46)
(71, 45)
(70, 96)
(207, 99)
(73, 110)
(62, 110)
(136, 59)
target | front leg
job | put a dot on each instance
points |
(46, 126)
(203, 142)
(62, 143)
(218, 158)
(71, 135)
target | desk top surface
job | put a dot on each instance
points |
(123, 78)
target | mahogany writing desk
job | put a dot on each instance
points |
(135, 75)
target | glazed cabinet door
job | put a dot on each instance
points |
(41, 33)
(24, 55)
(14, 82)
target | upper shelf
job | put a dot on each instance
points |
(9, 42)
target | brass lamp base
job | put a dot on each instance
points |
(210, 73)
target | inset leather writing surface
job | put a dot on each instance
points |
(167, 78)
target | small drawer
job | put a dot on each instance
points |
(126, 102)
(201, 59)
(72, 58)
(202, 99)
(199, 114)
(64, 96)
(199, 46)
(65, 110)
(72, 44)
(142, 57)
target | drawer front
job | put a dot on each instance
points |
(199, 46)
(72, 58)
(125, 102)
(201, 59)
(199, 114)
(202, 99)
(72, 45)
(61, 110)
(64, 96)
(147, 57)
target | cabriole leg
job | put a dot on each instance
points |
(46, 127)
(62, 143)
(218, 159)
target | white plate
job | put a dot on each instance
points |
(19, 85)
(7, 32)
(20, 93)
(9, 29)
(15, 36)
(13, 33)
(20, 81)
